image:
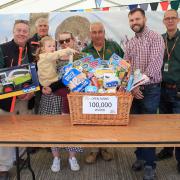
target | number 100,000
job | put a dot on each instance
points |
(100, 104)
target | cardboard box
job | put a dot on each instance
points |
(18, 80)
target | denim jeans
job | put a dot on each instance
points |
(148, 105)
(170, 104)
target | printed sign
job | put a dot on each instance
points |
(100, 104)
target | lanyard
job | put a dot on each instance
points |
(167, 49)
(104, 47)
(19, 63)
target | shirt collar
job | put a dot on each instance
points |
(143, 33)
(16, 45)
(91, 44)
(37, 37)
(175, 36)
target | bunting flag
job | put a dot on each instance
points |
(164, 5)
(105, 9)
(154, 6)
(144, 6)
(133, 6)
(175, 4)
(88, 10)
(98, 3)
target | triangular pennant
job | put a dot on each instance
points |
(144, 6)
(105, 9)
(96, 9)
(98, 3)
(164, 5)
(80, 10)
(88, 10)
(154, 6)
(133, 6)
(175, 4)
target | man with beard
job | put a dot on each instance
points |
(170, 88)
(145, 52)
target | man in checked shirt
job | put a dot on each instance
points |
(145, 51)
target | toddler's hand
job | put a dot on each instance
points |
(65, 58)
(46, 90)
(70, 51)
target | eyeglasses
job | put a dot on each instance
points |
(65, 41)
(170, 18)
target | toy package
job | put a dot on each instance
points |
(74, 79)
(114, 61)
(83, 63)
(123, 72)
(18, 80)
(102, 76)
(139, 79)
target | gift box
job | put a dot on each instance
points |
(18, 80)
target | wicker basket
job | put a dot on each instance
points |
(121, 118)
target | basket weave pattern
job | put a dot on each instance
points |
(121, 118)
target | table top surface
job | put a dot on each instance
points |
(56, 130)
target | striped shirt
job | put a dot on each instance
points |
(145, 51)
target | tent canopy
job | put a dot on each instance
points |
(35, 6)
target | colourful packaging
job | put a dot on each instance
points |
(91, 89)
(99, 73)
(75, 80)
(130, 82)
(123, 72)
(84, 63)
(114, 61)
(18, 80)
(110, 80)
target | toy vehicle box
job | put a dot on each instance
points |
(18, 80)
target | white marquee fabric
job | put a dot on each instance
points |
(35, 6)
(116, 23)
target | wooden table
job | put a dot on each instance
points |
(45, 131)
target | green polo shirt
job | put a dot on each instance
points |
(173, 74)
(110, 48)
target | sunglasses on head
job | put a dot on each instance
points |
(64, 41)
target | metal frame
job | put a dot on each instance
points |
(19, 167)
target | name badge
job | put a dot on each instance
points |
(166, 66)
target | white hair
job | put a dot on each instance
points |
(41, 20)
(95, 24)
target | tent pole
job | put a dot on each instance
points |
(10, 3)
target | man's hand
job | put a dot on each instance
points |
(46, 90)
(26, 97)
(136, 92)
